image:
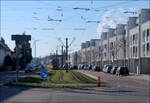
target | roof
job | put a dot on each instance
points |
(4, 46)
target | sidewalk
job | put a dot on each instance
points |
(139, 77)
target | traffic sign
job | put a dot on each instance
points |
(44, 74)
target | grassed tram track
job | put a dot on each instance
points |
(83, 78)
(73, 77)
(61, 75)
(88, 78)
(59, 79)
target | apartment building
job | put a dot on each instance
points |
(131, 23)
(104, 46)
(89, 53)
(128, 44)
(139, 43)
(95, 52)
(75, 58)
(83, 53)
(120, 45)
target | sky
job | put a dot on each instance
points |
(32, 17)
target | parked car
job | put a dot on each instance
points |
(29, 69)
(90, 67)
(122, 71)
(74, 67)
(113, 70)
(86, 67)
(80, 66)
(108, 69)
(105, 67)
(96, 68)
(65, 66)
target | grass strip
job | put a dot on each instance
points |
(88, 77)
(61, 75)
(56, 78)
(74, 76)
(82, 78)
(68, 81)
(32, 79)
(68, 78)
(48, 85)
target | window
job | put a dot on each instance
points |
(147, 47)
(136, 38)
(144, 36)
(148, 34)
(133, 39)
(136, 51)
(133, 51)
(105, 46)
(111, 45)
(124, 31)
(143, 50)
(105, 54)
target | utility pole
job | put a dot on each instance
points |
(35, 41)
(67, 54)
(17, 62)
(62, 57)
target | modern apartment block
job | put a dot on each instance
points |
(94, 52)
(126, 45)
(83, 52)
(75, 58)
(139, 39)
(89, 52)
(129, 44)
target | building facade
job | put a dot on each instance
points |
(126, 45)
(4, 51)
(129, 45)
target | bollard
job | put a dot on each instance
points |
(98, 81)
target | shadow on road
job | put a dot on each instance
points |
(104, 92)
(7, 92)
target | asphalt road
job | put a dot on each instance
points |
(11, 76)
(119, 90)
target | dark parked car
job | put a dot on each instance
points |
(113, 70)
(29, 69)
(74, 67)
(86, 67)
(90, 67)
(108, 69)
(105, 67)
(96, 68)
(81, 66)
(122, 71)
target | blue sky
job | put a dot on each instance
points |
(32, 17)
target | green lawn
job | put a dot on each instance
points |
(58, 79)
